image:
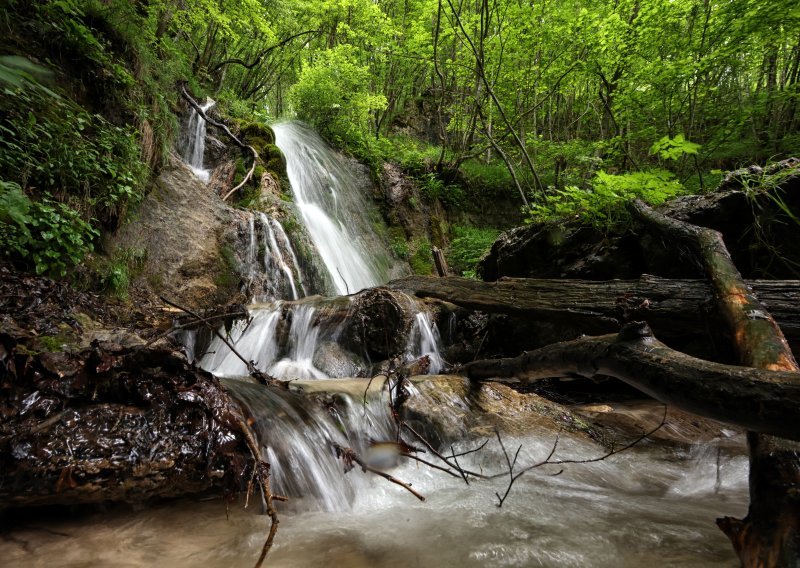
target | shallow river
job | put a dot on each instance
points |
(645, 507)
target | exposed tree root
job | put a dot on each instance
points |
(231, 135)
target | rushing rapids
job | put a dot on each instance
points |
(647, 506)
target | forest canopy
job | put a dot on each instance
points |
(573, 106)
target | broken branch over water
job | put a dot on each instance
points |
(348, 456)
(755, 399)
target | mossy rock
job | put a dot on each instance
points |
(258, 135)
(274, 160)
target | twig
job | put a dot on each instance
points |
(458, 467)
(349, 456)
(511, 464)
(346, 287)
(175, 328)
(433, 450)
(257, 374)
(263, 480)
(430, 464)
(247, 177)
(611, 452)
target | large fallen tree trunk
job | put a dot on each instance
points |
(672, 308)
(754, 399)
(770, 534)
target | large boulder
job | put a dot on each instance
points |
(186, 233)
(756, 210)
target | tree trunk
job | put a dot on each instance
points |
(754, 399)
(770, 534)
(677, 310)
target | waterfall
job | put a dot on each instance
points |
(297, 438)
(424, 340)
(329, 196)
(270, 265)
(196, 142)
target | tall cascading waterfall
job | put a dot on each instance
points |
(328, 195)
(195, 147)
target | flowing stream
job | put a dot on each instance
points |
(647, 506)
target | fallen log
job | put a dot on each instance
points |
(755, 399)
(673, 308)
(770, 534)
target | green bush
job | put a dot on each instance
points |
(469, 244)
(51, 144)
(115, 273)
(47, 235)
(603, 206)
(421, 256)
(432, 188)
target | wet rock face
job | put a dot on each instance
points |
(380, 324)
(335, 361)
(185, 231)
(477, 410)
(540, 251)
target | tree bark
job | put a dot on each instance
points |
(770, 534)
(754, 399)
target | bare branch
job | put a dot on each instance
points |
(348, 455)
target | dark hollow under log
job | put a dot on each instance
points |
(755, 399)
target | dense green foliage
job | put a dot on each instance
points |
(469, 244)
(49, 235)
(572, 106)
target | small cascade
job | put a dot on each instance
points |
(195, 148)
(278, 243)
(302, 340)
(270, 265)
(303, 334)
(282, 355)
(298, 437)
(424, 340)
(331, 198)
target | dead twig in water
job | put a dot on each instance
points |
(549, 461)
(349, 457)
(257, 374)
(262, 469)
(511, 463)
